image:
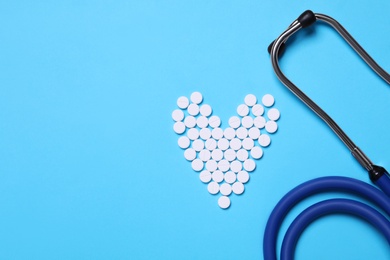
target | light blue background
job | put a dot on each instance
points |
(89, 164)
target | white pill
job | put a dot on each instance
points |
(217, 155)
(242, 155)
(230, 177)
(179, 127)
(225, 189)
(214, 121)
(259, 122)
(229, 133)
(256, 152)
(190, 154)
(193, 133)
(238, 188)
(243, 176)
(177, 115)
(235, 144)
(183, 142)
(190, 121)
(229, 155)
(202, 122)
(205, 176)
(213, 187)
(197, 165)
(247, 122)
(271, 127)
(196, 97)
(211, 165)
(243, 110)
(217, 176)
(236, 166)
(250, 100)
(254, 133)
(223, 144)
(217, 133)
(210, 144)
(264, 140)
(234, 122)
(273, 114)
(268, 100)
(241, 132)
(183, 102)
(224, 202)
(249, 165)
(223, 165)
(204, 155)
(248, 143)
(205, 110)
(193, 109)
(257, 110)
(205, 133)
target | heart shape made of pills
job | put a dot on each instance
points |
(224, 157)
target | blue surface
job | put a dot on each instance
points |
(90, 167)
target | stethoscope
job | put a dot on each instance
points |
(377, 174)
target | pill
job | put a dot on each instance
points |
(247, 122)
(264, 140)
(190, 121)
(242, 155)
(250, 100)
(217, 176)
(193, 133)
(213, 187)
(205, 110)
(268, 100)
(179, 127)
(211, 165)
(202, 122)
(230, 177)
(236, 166)
(223, 165)
(229, 133)
(254, 133)
(271, 127)
(234, 122)
(256, 152)
(257, 110)
(193, 109)
(225, 189)
(190, 154)
(177, 115)
(238, 188)
(217, 133)
(217, 155)
(243, 176)
(223, 144)
(243, 110)
(197, 165)
(210, 144)
(224, 202)
(229, 155)
(248, 143)
(205, 133)
(214, 121)
(196, 97)
(204, 155)
(241, 132)
(235, 144)
(183, 142)
(273, 114)
(259, 122)
(205, 176)
(249, 165)
(183, 102)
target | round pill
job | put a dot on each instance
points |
(205, 176)
(211, 165)
(268, 100)
(238, 188)
(217, 176)
(217, 133)
(223, 165)
(241, 132)
(205, 110)
(256, 152)
(259, 122)
(196, 97)
(202, 122)
(177, 115)
(190, 121)
(225, 189)
(214, 121)
(254, 133)
(257, 110)
(273, 114)
(249, 165)
(247, 122)
(235, 144)
(210, 144)
(250, 100)
(234, 122)
(243, 110)
(213, 187)
(193, 133)
(229, 133)
(230, 177)
(197, 165)
(248, 143)
(179, 127)
(183, 142)
(236, 166)
(224, 202)
(223, 144)
(242, 155)
(217, 155)
(204, 155)
(271, 127)
(264, 140)
(205, 133)
(229, 155)
(193, 109)
(190, 154)
(183, 102)
(243, 176)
